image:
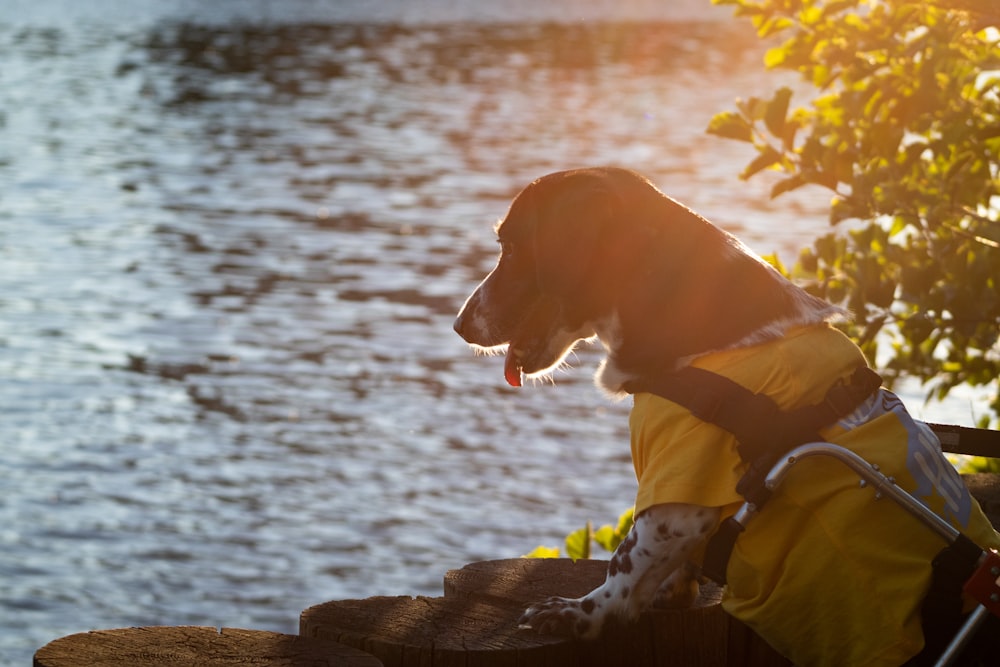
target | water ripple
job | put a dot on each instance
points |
(231, 254)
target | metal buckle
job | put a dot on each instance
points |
(984, 584)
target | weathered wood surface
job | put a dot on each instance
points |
(524, 580)
(195, 646)
(432, 631)
(702, 635)
(985, 488)
(527, 580)
(475, 624)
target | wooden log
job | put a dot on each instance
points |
(195, 646)
(985, 488)
(703, 635)
(475, 624)
(523, 581)
(438, 632)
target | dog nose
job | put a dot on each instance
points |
(464, 328)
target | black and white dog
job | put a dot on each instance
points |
(603, 253)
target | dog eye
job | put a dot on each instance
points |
(506, 248)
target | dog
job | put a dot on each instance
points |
(601, 253)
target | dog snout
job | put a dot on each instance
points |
(472, 326)
(468, 323)
(464, 323)
(459, 325)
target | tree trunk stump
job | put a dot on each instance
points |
(475, 624)
(528, 580)
(191, 646)
(438, 632)
(522, 581)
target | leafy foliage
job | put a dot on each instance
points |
(905, 132)
(972, 464)
(579, 542)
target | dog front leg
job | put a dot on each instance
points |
(661, 541)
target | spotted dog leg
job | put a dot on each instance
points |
(658, 545)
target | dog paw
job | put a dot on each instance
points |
(564, 617)
(680, 590)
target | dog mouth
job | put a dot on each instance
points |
(531, 358)
(512, 366)
(536, 339)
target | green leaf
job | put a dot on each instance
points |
(606, 538)
(730, 125)
(807, 261)
(840, 210)
(777, 110)
(543, 552)
(625, 522)
(811, 15)
(578, 543)
(775, 57)
(768, 157)
(773, 25)
(798, 119)
(820, 177)
(752, 108)
(828, 248)
(787, 185)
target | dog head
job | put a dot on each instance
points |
(602, 252)
(548, 254)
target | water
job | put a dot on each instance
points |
(232, 243)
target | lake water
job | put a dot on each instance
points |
(233, 238)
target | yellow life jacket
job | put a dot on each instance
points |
(826, 574)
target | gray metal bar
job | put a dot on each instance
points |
(962, 637)
(870, 474)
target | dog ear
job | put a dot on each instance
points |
(569, 231)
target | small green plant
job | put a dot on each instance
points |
(579, 542)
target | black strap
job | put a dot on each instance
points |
(759, 425)
(719, 549)
(763, 431)
(941, 611)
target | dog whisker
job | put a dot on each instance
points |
(494, 351)
(544, 378)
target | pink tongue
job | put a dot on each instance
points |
(512, 369)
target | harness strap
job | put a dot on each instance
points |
(719, 549)
(941, 611)
(763, 431)
(759, 425)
